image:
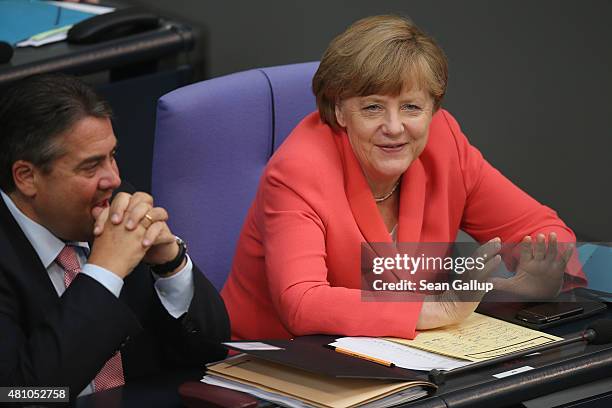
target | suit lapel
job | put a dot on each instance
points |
(412, 203)
(359, 195)
(363, 206)
(23, 261)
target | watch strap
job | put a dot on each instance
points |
(170, 266)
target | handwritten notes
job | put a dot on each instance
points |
(478, 338)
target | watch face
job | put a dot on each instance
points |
(181, 242)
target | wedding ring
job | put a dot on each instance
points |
(148, 217)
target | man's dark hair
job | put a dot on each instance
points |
(37, 109)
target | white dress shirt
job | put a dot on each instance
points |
(175, 292)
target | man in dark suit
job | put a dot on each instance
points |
(89, 317)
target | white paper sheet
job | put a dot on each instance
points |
(400, 355)
(84, 7)
(251, 345)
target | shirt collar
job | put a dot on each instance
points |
(46, 245)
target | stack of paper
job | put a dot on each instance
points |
(477, 338)
(303, 372)
(293, 387)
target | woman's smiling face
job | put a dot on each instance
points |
(386, 132)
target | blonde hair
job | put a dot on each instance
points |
(378, 55)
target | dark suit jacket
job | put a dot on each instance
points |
(46, 340)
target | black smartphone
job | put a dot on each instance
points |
(549, 312)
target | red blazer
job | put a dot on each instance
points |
(297, 264)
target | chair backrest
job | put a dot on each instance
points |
(212, 141)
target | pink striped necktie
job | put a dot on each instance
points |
(111, 375)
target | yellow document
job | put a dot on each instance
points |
(478, 338)
(317, 390)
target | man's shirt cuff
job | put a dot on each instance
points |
(176, 291)
(106, 278)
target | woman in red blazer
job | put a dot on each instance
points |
(379, 162)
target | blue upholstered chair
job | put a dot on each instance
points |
(212, 141)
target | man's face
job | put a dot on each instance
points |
(79, 181)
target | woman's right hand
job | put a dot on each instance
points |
(453, 306)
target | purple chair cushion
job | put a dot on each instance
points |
(212, 141)
(290, 98)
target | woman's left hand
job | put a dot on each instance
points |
(540, 271)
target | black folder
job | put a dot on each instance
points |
(310, 353)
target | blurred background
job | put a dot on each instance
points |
(530, 81)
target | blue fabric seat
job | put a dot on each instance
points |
(212, 141)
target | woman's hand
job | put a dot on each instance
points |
(453, 306)
(540, 271)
